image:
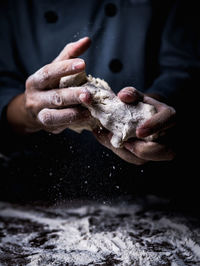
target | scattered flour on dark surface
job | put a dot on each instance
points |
(95, 234)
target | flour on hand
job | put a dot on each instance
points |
(107, 110)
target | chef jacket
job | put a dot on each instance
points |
(149, 44)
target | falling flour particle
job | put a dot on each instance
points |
(107, 110)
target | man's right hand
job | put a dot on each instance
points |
(44, 105)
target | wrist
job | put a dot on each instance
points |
(18, 119)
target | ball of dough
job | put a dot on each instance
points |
(107, 110)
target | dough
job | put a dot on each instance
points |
(107, 110)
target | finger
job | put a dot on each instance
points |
(164, 118)
(60, 98)
(68, 116)
(128, 156)
(157, 104)
(150, 151)
(130, 95)
(49, 75)
(74, 49)
(103, 137)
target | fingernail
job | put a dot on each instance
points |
(85, 96)
(82, 97)
(78, 65)
(128, 92)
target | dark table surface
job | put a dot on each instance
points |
(128, 232)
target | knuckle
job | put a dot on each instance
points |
(170, 115)
(30, 82)
(171, 112)
(45, 118)
(72, 115)
(57, 99)
(138, 151)
(29, 103)
(142, 149)
(44, 73)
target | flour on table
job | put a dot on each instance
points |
(107, 110)
(95, 234)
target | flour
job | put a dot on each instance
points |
(108, 111)
(95, 234)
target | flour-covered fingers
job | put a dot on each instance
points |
(60, 117)
(150, 151)
(49, 76)
(74, 49)
(58, 98)
(158, 123)
(125, 154)
(130, 95)
(164, 118)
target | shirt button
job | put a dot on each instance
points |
(115, 65)
(51, 16)
(110, 10)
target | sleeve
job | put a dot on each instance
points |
(12, 79)
(178, 56)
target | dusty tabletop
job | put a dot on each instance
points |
(88, 233)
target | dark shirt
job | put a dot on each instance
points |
(151, 45)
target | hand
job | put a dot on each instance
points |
(104, 137)
(138, 151)
(44, 107)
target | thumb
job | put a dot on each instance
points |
(74, 49)
(130, 95)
